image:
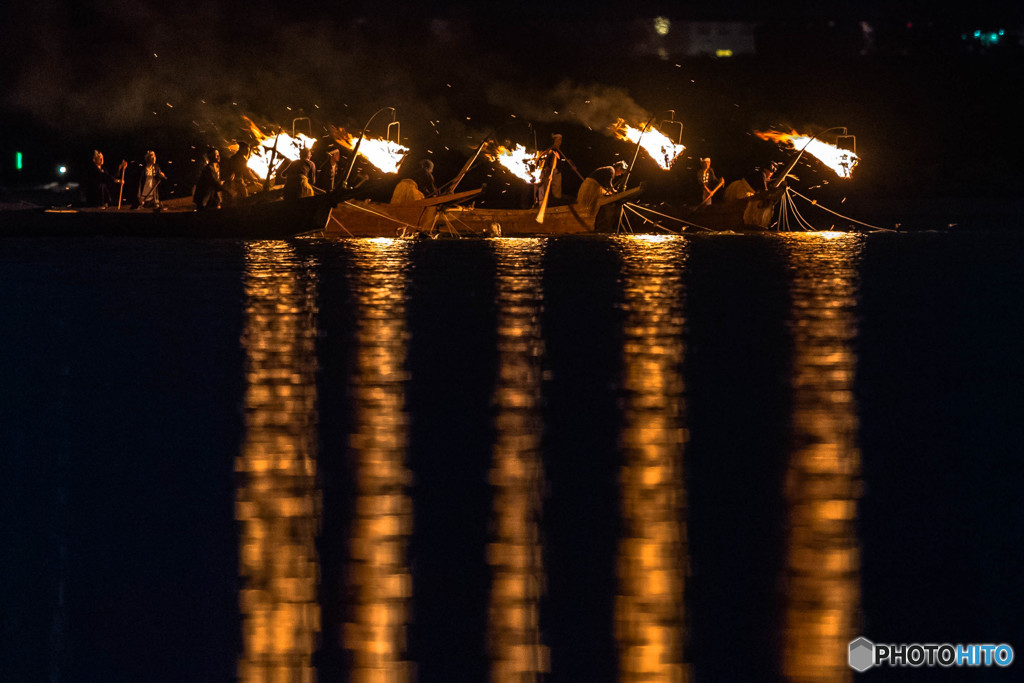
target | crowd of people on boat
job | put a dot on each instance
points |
(218, 185)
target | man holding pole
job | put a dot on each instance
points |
(100, 184)
(709, 182)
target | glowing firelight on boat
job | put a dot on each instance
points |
(657, 145)
(274, 149)
(518, 162)
(842, 161)
(385, 155)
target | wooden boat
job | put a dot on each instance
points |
(448, 215)
(752, 213)
(259, 218)
(749, 213)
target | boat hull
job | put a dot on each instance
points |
(750, 213)
(445, 216)
(258, 220)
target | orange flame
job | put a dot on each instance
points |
(657, 145)
(385, 155)
(518, 162)
(842, 161)
(274, 149)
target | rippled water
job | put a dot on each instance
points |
(716, 457)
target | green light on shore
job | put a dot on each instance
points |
(18, 163)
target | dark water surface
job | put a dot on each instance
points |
(717, 457)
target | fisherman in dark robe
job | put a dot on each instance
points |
(100, 186)
(237, 175)
(207, 194)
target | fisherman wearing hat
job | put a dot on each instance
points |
(549, 161)
(327, 175)
(709, 182)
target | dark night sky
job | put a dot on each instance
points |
(135, 74)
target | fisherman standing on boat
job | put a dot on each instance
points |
(327, 174)
(99, 184)
(300, 176)
(417, 186)
(548, 159)
(207, 194)
(709, 182)
(237, 175)
(149, 180)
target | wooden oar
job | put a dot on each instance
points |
(547, 190)
(120, 192)
(707, 200)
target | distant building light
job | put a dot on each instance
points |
(662, 26)
(19, 163)
(723, 53)
(62, 169)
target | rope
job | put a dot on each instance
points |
(636, 209)
(804, 224)
(382, 215)
(845, 218)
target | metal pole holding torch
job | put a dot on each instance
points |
(792, 164)
(359, 140)
(636, 153)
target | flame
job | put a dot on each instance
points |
(385, 155)
(263, 152)
(657, 145)
(518, 161)
(842, 161)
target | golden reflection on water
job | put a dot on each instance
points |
(516, 474)
(823, 477)
(652, 556)
(277, 502)
(380, 581)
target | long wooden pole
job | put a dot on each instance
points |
(120, 192)
(707, 200)
(547, 190)
(636, 153)
(465, 168)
